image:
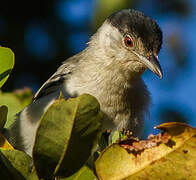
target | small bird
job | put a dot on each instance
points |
(110, 69)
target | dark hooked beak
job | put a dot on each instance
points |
(152, 63)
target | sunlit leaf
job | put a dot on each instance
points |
(170, 155)
(6, 64)
(15, 102)
(83, 174)
(115, 136)
(4, 144)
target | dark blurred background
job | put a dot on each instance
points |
(44, 33)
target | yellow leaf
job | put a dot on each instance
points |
(4, 143)
(170, 155)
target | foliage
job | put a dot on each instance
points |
(85, 173)
(64, 140)
(7, 64)
(14, 164)
(15, 101)
(67, 135)
(170, 155)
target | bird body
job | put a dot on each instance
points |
(110, 69)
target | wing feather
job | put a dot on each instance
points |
(55, 82)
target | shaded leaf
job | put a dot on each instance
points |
(33, 175)
(104, 140)
(14, 164)
(66, 135)
(3, 116)
(6, 64)
(170, 155)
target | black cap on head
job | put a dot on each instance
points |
(135, 22)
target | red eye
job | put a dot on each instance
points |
(128, 41)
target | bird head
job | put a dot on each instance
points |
(131, 39)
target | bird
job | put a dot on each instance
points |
(110, 68)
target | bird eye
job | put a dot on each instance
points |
(128, 41)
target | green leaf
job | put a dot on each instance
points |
(14, 105)
(115, 137)
(24, 95)
(15, 102)
(14, 164)
(104, 140)
(83, 174)
(3, 116)
(66, 135)
(6, 64)
(170, 155)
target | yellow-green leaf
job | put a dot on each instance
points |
(84, 173)
(15, 102)
(14, 164)
(6, 64)
(173, 159)
(33, 175)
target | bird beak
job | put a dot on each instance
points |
(152, 63)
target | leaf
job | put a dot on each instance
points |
(6, 64)
(33, 175)
(104, 140)
(115, 137)
(4, 143)
(24, 95)
(3, 116)
(66, 135)
(170, 155)
(83, 174)
(15, 102)
(14, 164)
(14, 105)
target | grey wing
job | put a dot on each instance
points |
(50, 86)
(55, 82)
